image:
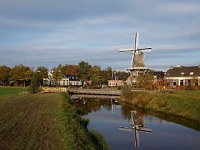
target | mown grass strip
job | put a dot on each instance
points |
(11, 91)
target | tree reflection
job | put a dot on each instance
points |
(89, 105)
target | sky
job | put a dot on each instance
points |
(52, 32)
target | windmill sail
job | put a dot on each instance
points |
(137, 60)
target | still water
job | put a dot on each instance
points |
(168, 132)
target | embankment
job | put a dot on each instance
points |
(181, 103)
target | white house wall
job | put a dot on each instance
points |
(79, 83)
(178, 79)
(199, 81)
(115, 83)
(64, 82)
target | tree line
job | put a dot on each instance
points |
(21, 75)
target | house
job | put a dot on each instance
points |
(158, 75)
(66, 81)
(69, 80)
(49, 81)
(183, 76)
(115, 83)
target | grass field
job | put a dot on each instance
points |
(182, 103)
(11, 91)
(42, 121)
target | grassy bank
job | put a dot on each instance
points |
(44, 121)
(12, 91)
(76, 134)
(181, 103)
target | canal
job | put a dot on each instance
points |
(112, 119)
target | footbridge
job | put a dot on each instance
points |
(105, 92)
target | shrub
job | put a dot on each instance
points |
(35, 83)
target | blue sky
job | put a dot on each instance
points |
(51, 32)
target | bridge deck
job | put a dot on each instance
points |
(94, 96)
(110, 92)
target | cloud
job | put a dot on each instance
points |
(51, 32)
(181, 7)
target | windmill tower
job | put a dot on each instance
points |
(137, 62)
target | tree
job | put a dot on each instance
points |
(35, 83)
(4, 74)
(96, 75)
(121, 75)
(42, 72)
(71, 70)
(106, 75)
(84, 70)
(21, 74)
(57, 73)
(145, 81)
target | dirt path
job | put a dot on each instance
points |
(28, 122)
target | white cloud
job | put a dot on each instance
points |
(69, 31)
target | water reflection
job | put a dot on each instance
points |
(169, 132)
(136, 126)
(89, 105)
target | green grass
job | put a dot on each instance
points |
(4, 91)
(74, 129)
(182, 103)
(10, 93)
(44, 121)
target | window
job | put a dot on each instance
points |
(189, 82)
(181, 83)
(174, 83)
(191, 73)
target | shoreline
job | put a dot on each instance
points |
(184, 104)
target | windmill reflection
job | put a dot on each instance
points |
(136, 126)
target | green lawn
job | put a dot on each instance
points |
(12, 91)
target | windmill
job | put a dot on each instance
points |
(136, 126)
(137, 61)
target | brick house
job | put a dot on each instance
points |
(112, 83)
(183, 76)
